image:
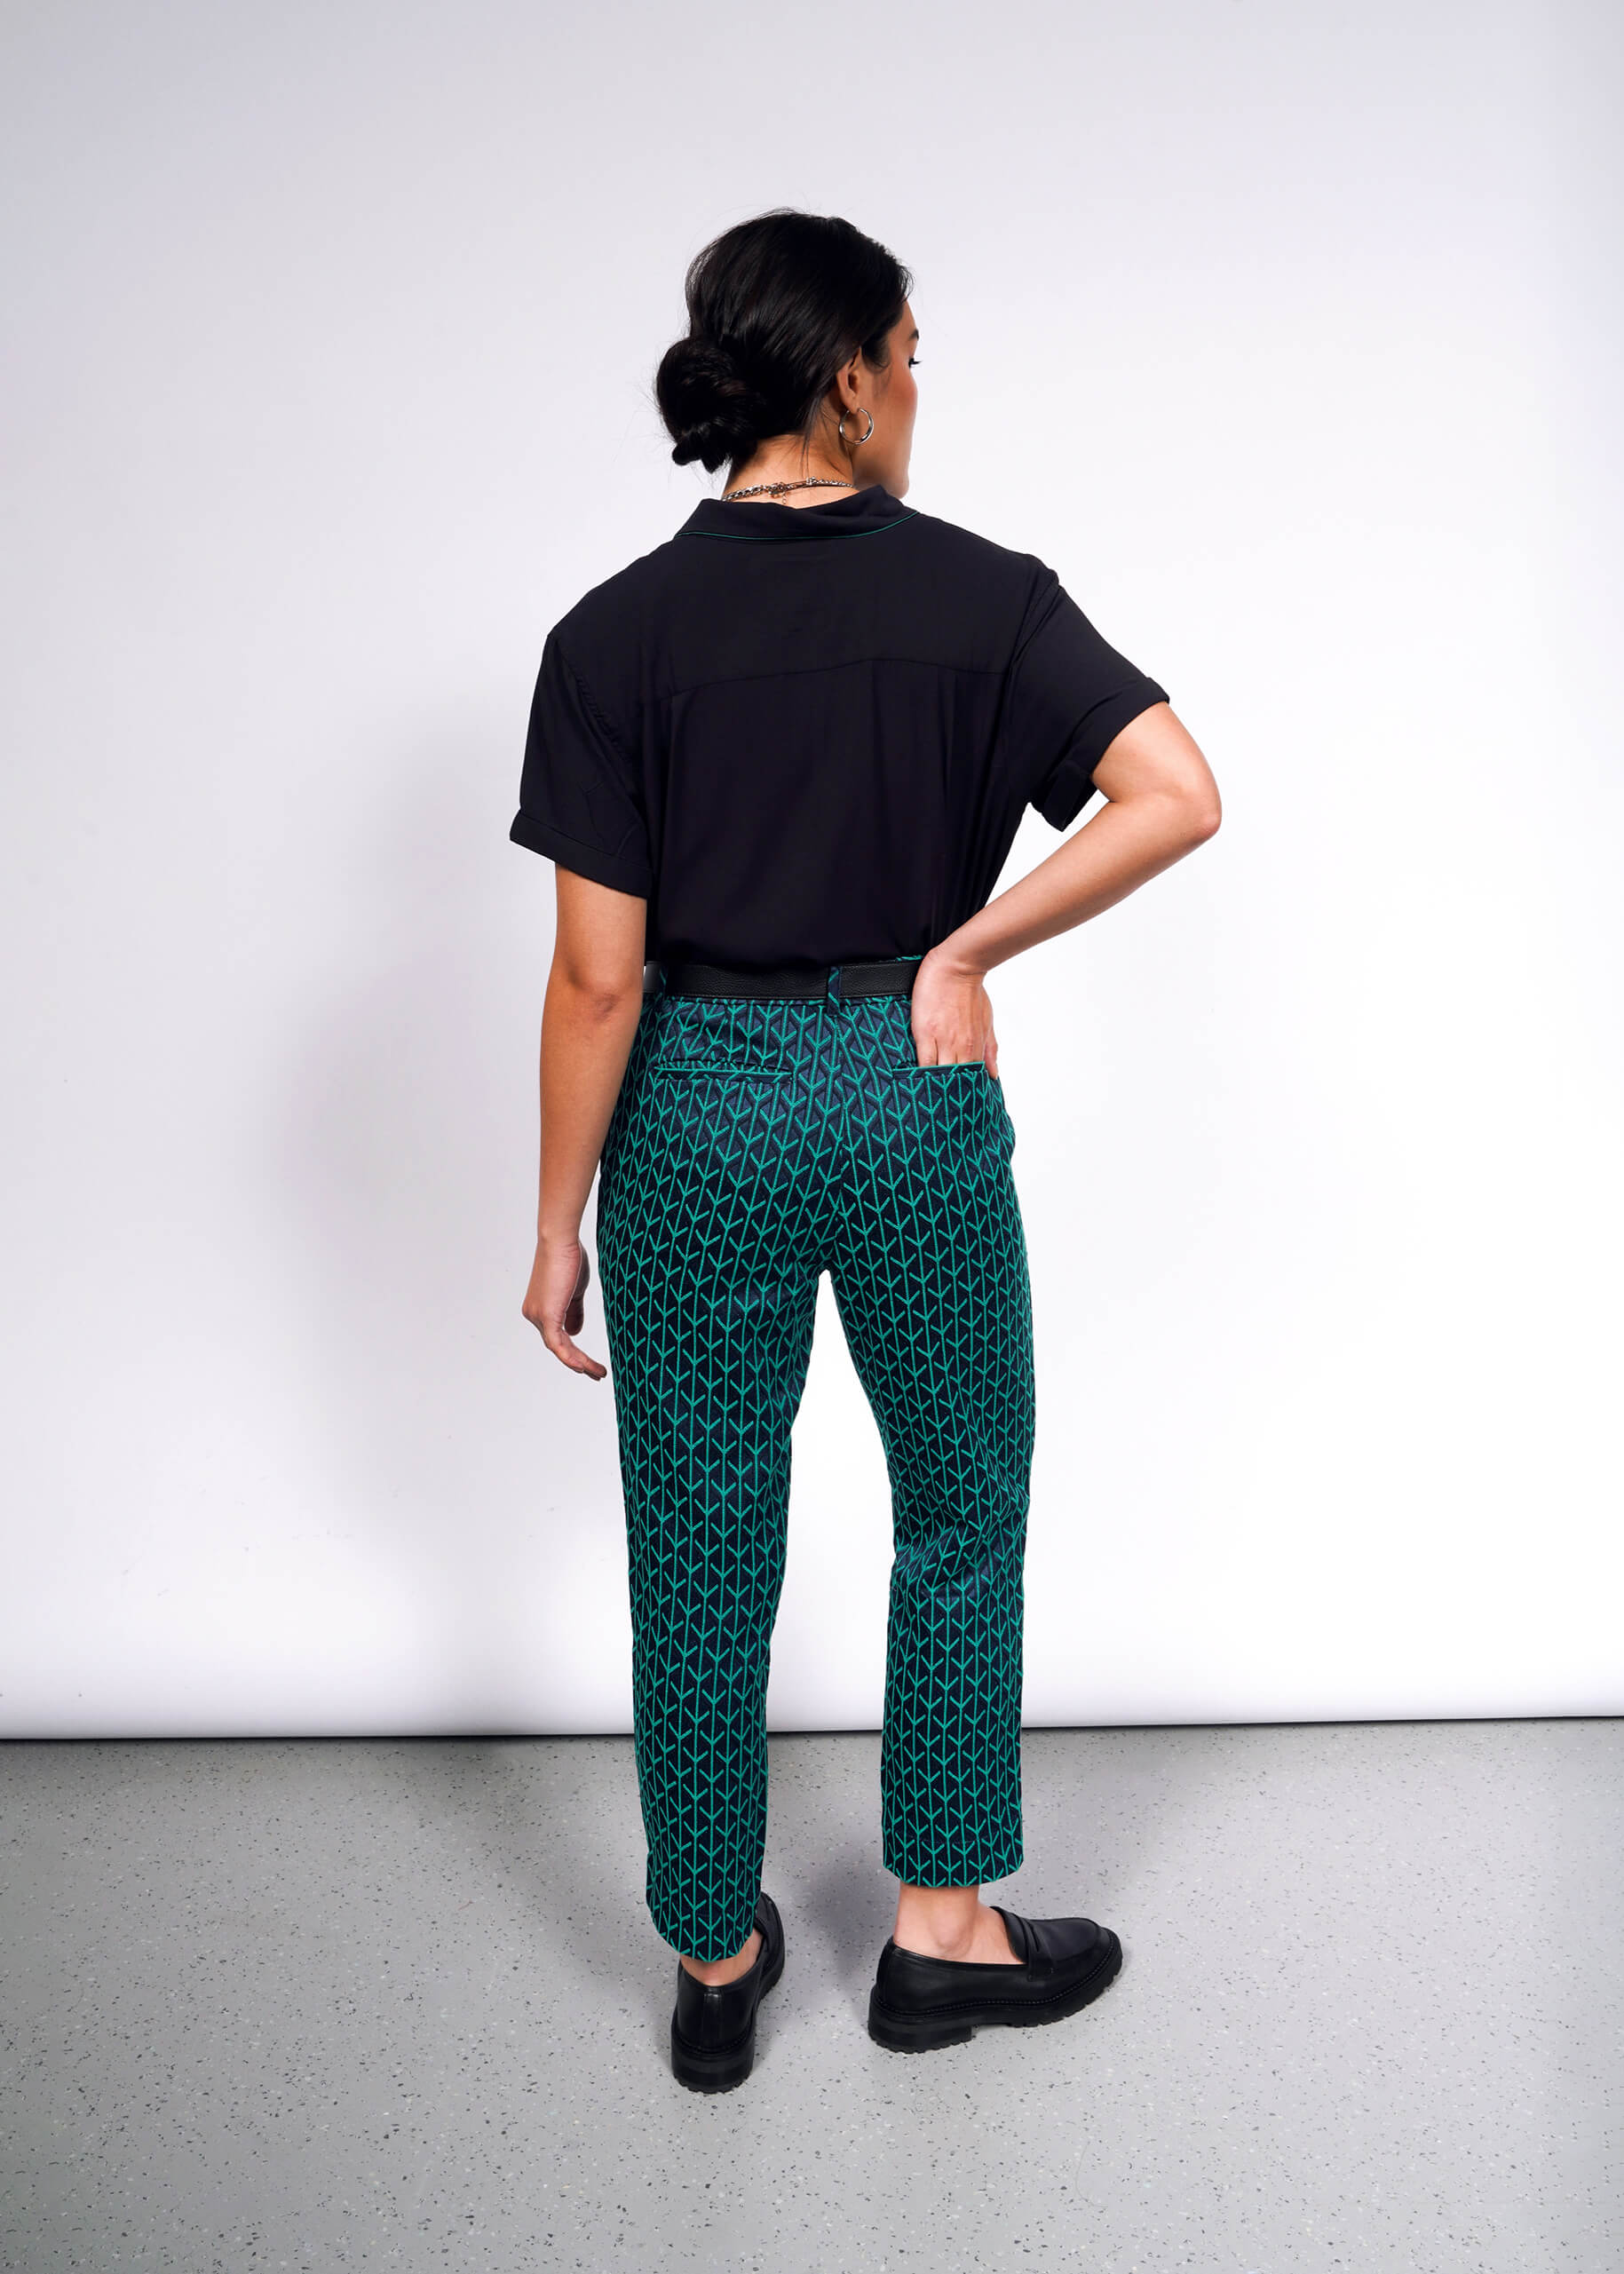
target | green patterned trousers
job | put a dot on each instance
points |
(755, 1145)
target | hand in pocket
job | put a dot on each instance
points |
(952, 1015)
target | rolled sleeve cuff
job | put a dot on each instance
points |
(621, 872)
(1071, 784)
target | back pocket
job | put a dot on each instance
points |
(687, 1069)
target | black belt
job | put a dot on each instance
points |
(796, 982)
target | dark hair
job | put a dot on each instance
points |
(775, 306)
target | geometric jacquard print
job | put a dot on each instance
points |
(755, 1145)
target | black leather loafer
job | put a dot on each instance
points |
(918, 2003)
(713, 2030)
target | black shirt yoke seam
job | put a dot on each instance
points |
(850, 663)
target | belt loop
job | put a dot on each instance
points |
(834, 983)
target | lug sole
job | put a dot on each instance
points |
(925, 2032)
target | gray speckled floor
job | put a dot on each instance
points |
(398, 2004)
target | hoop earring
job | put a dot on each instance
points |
(840, 428)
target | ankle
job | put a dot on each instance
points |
(926, 1944)
(716, 1972)
(949, 1923)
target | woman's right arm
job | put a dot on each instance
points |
(1161, 802)
(588, 1022)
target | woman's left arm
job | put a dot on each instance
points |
(589, 1022)
(1161, 802)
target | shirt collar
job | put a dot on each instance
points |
(861, 514)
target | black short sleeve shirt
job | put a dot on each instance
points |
(806, 735)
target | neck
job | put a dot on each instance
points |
(785, 458)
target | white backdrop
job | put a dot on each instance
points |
(1289, 335)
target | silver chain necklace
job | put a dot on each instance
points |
(777, 488)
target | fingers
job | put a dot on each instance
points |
(563, 1348)
(933, 1052)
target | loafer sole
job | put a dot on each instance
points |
(720, 2068)
(902, 2031)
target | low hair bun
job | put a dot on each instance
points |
(712, 412)
(776, 306)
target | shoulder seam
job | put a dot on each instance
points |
(591, 702)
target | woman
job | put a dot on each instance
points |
(779, 762)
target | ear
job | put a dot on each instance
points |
(849, 382)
